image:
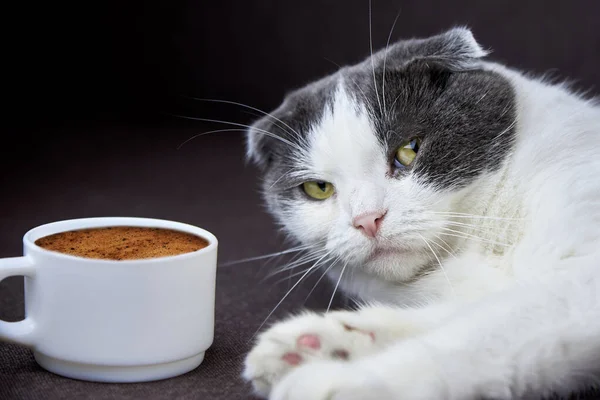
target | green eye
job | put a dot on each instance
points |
(407, 152)
(318, 190)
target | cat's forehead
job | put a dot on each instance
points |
(343, 140)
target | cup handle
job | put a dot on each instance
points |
(20, 332)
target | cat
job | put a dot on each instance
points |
(459, 201)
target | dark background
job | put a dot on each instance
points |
(88, 91)
(130, 59)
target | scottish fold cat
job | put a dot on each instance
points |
(458, 201)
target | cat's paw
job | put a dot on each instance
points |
(336, 336)
(403, 373)
(331, 380)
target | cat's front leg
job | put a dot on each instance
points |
(341, 336)
(376, 377)
(410, 369)
(525, 343)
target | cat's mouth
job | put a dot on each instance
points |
(384, 252)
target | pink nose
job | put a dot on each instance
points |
(369, 223)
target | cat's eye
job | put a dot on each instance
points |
(407, 152)
(318, 190)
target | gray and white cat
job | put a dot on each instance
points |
(459, 200)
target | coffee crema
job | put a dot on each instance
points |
(123, 243)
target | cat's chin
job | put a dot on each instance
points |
(393, 264)
(382, 253)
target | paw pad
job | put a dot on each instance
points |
(340, 354)
(292, 358)
(310, 341)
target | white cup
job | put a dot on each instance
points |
(114, 321)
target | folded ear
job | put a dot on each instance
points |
(258, 142)
(455, 49)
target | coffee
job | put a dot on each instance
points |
(123, 243)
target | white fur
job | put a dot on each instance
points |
(516, 311)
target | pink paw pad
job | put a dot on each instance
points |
(292, 358)
(310, 341)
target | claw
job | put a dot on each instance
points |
(350, 328)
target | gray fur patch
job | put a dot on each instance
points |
(464, 119)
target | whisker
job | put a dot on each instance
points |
(443, 241)
(315, 265)
(440, 264)
(464, 215)
(356, 85)
(333, 62)
(328, 260)
(442, 247)
(372, 61)
(306, 258)
(267, 133)
(280, 178)
(287, 278)
(291, 130)
(479, 229)
(387, 45)
(209, 132)
(468, 236)
(296, 273)
(276, 258)
(336, 286)
(279, 253)
(335, 261)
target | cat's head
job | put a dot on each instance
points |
(365, 164)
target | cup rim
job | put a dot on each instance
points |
(50, 228)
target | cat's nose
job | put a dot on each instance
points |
(369, 223)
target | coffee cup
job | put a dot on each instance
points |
(114, 321)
